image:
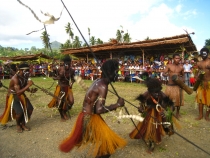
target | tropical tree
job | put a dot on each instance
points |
(45, 39)
(99, 41)
(146, 39)
(33, 49)
(126, 38)
(119, 36)
(85, 44)
(93, 40)
(62, 46)
(69, 32)
(67, 44)
(76, 42)
(207, 43)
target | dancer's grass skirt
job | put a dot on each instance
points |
(92, 129)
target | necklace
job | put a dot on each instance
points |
(158, 106)
(21, 83)
(153, 99)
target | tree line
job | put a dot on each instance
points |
(72, 42)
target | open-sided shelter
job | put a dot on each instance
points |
(153, 47)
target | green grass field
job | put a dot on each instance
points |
(128, 91)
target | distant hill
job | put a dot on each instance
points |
(55, 45)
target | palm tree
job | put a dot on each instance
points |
(67, 44)
(119, 36)
(146, 39)
(76, 43)
(126, 38)
(62, 46)
(69, 32)
(85, 44)
(92, 40)
(99, 41)
(45, 39)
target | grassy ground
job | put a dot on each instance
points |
(48, 131)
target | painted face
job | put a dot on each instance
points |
(204, 55)
(26, 73)
(66, 65)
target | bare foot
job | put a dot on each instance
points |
(19, 129)
(66, 117)
(150, 150)
(199, 118)
(25, 128)
(178, 115)
(207, 119)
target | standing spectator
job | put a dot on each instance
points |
(172, 89)
(187, 70)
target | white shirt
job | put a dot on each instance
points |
(187, 67)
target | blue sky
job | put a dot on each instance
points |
(152, 18)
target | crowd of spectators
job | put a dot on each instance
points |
(128, 70)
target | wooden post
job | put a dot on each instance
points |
(110, 55)
(87, 57)
(143, 57)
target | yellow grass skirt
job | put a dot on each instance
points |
(54, 101)
(203, 94)
(174, 94)
(92, 129)
(7, 116)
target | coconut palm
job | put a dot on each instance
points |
(67, 44)
(92, 40)
(99, 41)
(119, 36)
(126, 38)
(62, 46)
(146, 39)
(85, 44)
(45, 39)
(76, 43)
(69, 32)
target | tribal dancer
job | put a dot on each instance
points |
(18, 105)
(90, 128)
(64, 89)
(157, 108)
(172, 89)
(203, 91)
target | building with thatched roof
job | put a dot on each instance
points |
(154, 47)
(26, 57)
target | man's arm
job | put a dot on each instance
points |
(72, 77)
(100, 105)
(17, 86)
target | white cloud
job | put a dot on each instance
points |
(178, 8)
(103, 17)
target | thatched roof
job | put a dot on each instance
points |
(167, 45)
(26, 57)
